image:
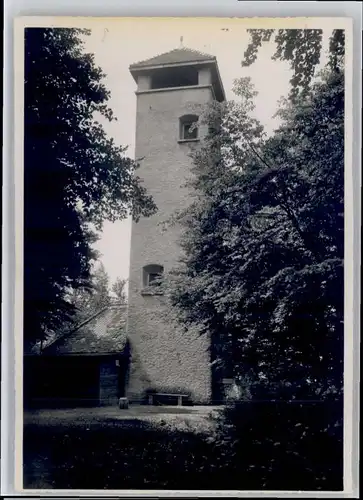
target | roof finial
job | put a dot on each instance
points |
(181, 42)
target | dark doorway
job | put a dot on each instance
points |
(60, 382)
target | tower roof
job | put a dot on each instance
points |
(176, 56)
(183, 57)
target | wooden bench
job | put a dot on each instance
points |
(179, 396)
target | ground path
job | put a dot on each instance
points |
(187, 417)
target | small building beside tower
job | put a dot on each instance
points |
(84, 366)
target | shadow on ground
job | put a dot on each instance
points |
(115, 449)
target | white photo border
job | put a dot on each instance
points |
(11, 363)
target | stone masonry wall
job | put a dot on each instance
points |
(162, 356)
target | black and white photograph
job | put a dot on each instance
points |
(183, 250)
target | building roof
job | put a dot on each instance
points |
(175, 56)
(183, 57)
(102, 333)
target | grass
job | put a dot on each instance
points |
(162, 449)
(131, 455)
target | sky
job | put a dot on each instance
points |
(120, 42)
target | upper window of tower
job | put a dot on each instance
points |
(174, 77)
(188, 128)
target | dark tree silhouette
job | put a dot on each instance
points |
(74, 174)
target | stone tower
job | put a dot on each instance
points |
(171, 88)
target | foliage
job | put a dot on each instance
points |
(262, 273)
(108, 453)
(118, 289)
(120, 455)
(263, 267)
(90, 300)
(283, 445)
(302, 48)
(87, 301)
(74, 174)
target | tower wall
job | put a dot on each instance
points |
(163, 357)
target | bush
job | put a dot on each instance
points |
(284, 445)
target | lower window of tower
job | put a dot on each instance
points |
(151, 275)
(189, 132)
(153, 278)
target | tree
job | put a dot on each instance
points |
(267, 226)
(262, 274)
(263, 267)
(118, 289)
(302, 48)
(101, 283)
(74, 175)
(94, 298)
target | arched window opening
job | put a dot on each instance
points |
(188, 130)
(151, 275)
